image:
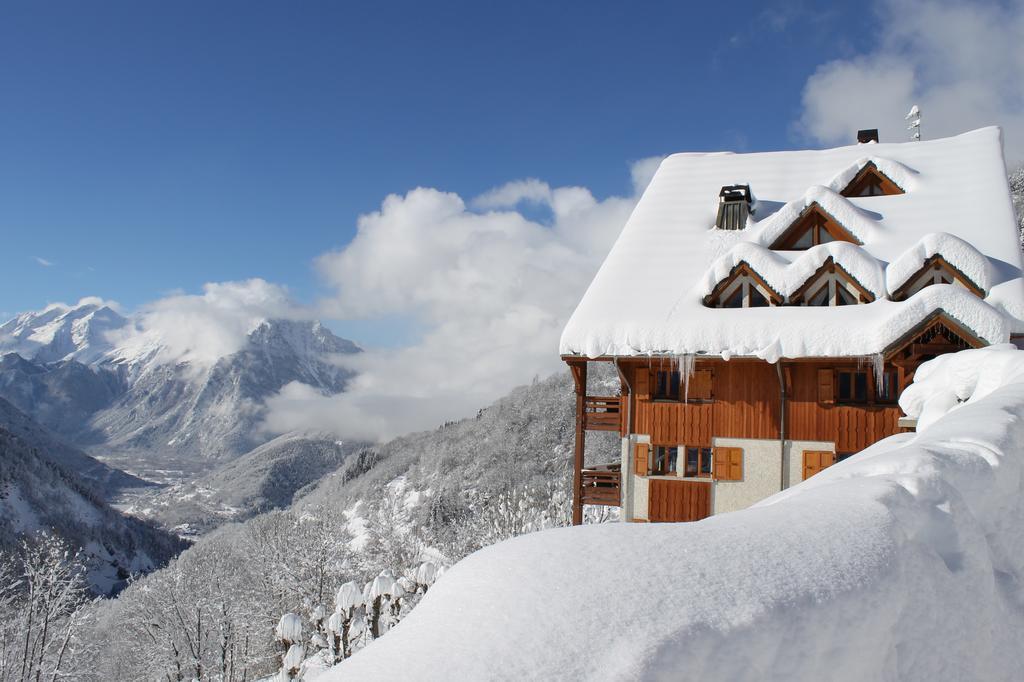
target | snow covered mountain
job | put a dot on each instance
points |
(63, 396)
(171, 413)
(41, 489)
(128, 403)
(62, 332)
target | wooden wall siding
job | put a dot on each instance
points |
(745, 405)
(671, 501)
(746, 400)
(850, 427)
(673, 423)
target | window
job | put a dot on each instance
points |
(889, 390)
(698, 462)
(757, 299)
(831, 285)
(743, 288)
(670, 385)
(813, 227)
(852, 387)
(859, 387)
(665, 460)
(871, 182)
(666, 385)
(936, 270)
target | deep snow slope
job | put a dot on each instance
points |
(904, 562)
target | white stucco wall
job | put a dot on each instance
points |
(762, 473)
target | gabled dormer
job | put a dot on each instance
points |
(831, 285)
(937, 334)
(936, 270)
(814, 226)
(871, 182)
(743, 288)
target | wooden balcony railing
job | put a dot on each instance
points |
(602, 413)
(602, 485)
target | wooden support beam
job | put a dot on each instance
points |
(579, 374)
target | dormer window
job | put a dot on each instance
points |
(814, 226)
(831, 285)
(743, 288)
(936, 270)
(871, 182)
(733, 207)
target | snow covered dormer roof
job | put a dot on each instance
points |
(650, 297)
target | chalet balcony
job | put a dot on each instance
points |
(602, 413)
(602, 484)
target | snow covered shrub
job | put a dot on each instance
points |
(289, 636)
(348, 605)
(378, 596)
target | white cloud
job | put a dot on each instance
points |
(962, 63)
(200, 329)
(491, 288)
(42, 261)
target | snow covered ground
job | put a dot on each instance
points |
(904, 562)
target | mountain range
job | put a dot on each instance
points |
(92, 425)
(146, 413)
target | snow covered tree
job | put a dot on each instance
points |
(42, 604)
(1016, 179)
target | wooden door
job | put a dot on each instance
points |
(816, 460)
(678, 500)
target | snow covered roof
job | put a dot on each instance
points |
(648, 296)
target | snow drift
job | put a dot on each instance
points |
(904, 562)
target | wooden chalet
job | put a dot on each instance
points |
(763, 312)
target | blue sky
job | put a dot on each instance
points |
(149, 147)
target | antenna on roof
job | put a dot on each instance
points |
(914, 116)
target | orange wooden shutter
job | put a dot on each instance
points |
(721, 460)
(826, 387)
(816, 460)
(700, 385)
(736, 464)
(640, 459)
(728, 464)
(643, 383)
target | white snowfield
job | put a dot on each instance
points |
(647, 297)
(904, 562)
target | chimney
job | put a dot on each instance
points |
(869, 135)
(733, 207)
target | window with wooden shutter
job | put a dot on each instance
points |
(729, 464)
(816, 460)
(643, 383)
(826, 387)
(699, 387)
(640, 459)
